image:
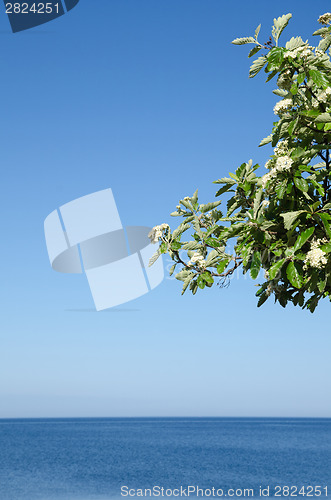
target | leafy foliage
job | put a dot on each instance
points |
(279, 222)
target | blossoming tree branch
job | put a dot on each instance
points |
(280, 221)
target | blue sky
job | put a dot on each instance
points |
(151, 99)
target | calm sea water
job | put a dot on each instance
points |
(91, 459)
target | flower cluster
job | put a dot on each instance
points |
(302, 51)
(157, 232)
(322, 97)
(284, 80)
(282, 106)
(197, 259)
(316, 257)
(325, 18)
(281, 163)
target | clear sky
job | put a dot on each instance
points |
(147, 97)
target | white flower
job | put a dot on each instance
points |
(282, 106)
(316, 257)
(325, 18)
(157, 232)
(281, 148)
(283, 163)
(324, 95)
(267, 177)
(197, 259)
(302, 51)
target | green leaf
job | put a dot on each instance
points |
(263, 297)
(255, 265)
(257, 66)
(222, 265)
(293, 125)
(209, 206)
(257, 31)
(294, 88)
(266, 140)
(154, 257)
(182, 275)
(325, 218)
(187, 281)
(207, 277)
(194, 286)
(254, 50)
(294, 43)
(275, 268)
(164, 247)
(275, 58)
(225, 180)
(321, 285)
(272, 74)
(279, 24)
(184, 226)
(290, 218)
(243, 40)
(293, 274)
(326, 247)
(201, 282)
(281, 190)
(172, 269)
(213, 242)
(257, 202)
(303, 237)
(322, 31)
(301, 184)
(318, 78)
(280, 92)
(187, 204)
(323, 118)
(324, 43)
(212, 257)
(301, 78)
(194, 198)
(175, 246)
(191, 245)
(224, 189)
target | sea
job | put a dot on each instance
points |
(125, 458)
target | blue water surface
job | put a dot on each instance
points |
(91, 459)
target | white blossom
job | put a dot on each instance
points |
(282, 106)
(316, 257)
(325, 18)
(283, 163)
(324, 95)
(157, 232)
(302, 51)
(197, 259)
